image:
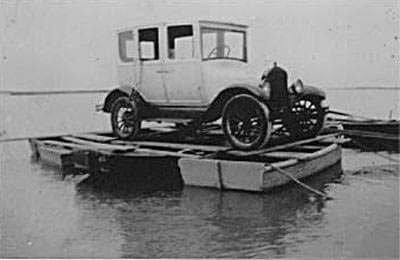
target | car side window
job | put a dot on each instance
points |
(180, 42)
(148, 44)
(125, 42)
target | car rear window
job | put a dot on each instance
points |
(126, 44)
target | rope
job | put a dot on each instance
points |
(381, 155)
(302, 184)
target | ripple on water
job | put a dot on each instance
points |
(44, 215)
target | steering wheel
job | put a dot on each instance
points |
(215, 49)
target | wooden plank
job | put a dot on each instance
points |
(87, 145)
(61, 144)
(101, 146)
(281, 147)
(73, 146)
(308, 148)
(165, 153)
(210, 148)
(357, 133)
(287, 155)
(128, 152)
(95, 137)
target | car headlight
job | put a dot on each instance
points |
(298, 86)
(324, 104)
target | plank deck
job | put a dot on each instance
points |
(127, 149)
(198, 164)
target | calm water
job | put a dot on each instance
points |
(44, 215)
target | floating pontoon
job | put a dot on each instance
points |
(164, 156)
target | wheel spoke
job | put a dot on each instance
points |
(307, 114)
(121, 127)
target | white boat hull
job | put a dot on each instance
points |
(254, 176)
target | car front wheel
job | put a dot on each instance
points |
(305, 118)
(245, 122)
(125, 121)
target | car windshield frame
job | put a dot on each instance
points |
(224, 31)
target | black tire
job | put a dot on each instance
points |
(125, 119)
(245, 122)
(305, 118)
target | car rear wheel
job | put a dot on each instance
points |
(305, 118)
(125, 121)
(245, 122)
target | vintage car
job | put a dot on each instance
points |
(197, 72)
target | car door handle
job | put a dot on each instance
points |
(162, 71)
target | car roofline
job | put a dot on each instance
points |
(223, 23)
(135, 25)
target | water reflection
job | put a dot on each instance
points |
(197, 222)
(45, 215)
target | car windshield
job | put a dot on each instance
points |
(223, 44)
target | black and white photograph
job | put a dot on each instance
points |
(200, 129)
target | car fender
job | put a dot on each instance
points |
(215, 108)
(116, 93)
(313, 91)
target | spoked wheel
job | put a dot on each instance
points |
(125, 121)
(245, 122)
(305, 118)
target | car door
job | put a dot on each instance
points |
(182, 69)
(127, 52)
(149, 65)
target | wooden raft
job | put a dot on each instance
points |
(211, 165)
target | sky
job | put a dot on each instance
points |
(69, 45)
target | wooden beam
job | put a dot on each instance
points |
(307, 148)
(287, 155)
(96, 137)
(209, 148)
(281, 147)
(368, 134)
(111, 147)
(60, 145)
(161, 153)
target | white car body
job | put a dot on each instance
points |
(183, 82)
(193, 73)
